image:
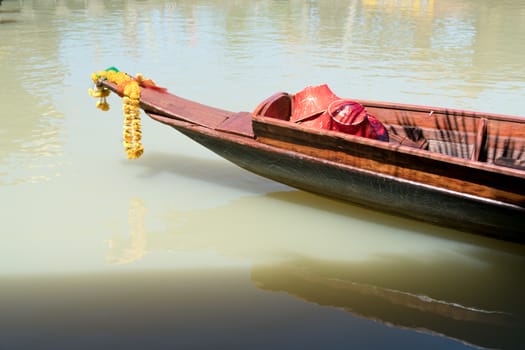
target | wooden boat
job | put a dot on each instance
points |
(454, 168)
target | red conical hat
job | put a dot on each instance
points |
(311, 101)
(347, 112)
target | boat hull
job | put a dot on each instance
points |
(366, 188)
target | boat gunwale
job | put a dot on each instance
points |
(442, 110)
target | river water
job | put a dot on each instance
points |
(181, 249)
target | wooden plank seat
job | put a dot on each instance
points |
(278, 106)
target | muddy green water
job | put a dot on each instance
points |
(181, 249)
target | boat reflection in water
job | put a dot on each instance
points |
(410, 275)
(361, 290)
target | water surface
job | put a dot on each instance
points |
(183, 249)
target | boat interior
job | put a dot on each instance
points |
(483, 137)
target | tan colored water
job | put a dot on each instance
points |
(182, 249)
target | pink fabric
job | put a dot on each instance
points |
(379, 128)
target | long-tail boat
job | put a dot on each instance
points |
(455, 168)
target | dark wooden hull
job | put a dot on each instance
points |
(374, 190)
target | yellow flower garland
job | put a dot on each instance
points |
(130, 88)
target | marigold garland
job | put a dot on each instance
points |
(130, 89)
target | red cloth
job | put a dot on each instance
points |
(319, 107)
